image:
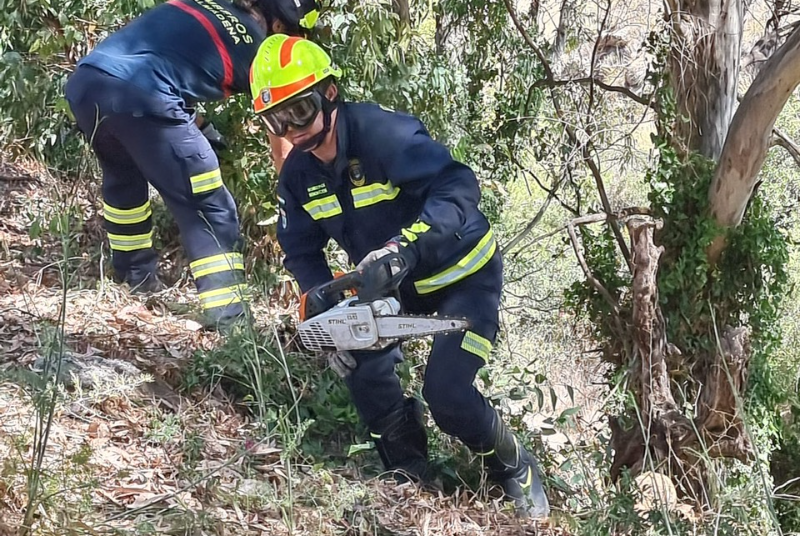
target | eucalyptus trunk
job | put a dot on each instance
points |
(704, 68)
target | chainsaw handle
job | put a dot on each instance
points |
(379, 279)
(382, 277)
(321, 298)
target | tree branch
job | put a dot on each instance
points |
(571, 133)
(593, 61)
(749, 137)
(582, 261)
(644, 101)
(601, 190)
(529, 227)
(548, 71)
(781, 139)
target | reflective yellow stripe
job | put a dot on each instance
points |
(485, 453)
(373, 435)
(528, 480)
(206, 181)
(475, 344)
(309, 20)
(217, 263)
(413, 232)
(127, 216)
(130, 242)
(370, 194)
(325, 207)
(222, 296)
(471, 263)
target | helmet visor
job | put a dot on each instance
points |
(298, 112)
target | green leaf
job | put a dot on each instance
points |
(360, 447)
(569, 412)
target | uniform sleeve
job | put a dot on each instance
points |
(302, 241)
(424, 168)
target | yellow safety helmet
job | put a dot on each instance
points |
(285, 66)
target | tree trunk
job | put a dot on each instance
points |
(403, 12)
(705, 87)
(665, 438)
(565, 15)
(704, 65)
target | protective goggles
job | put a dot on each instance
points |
(298, 112)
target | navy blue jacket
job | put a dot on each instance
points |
(389, 180)
(186, 50)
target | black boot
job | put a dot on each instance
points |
(149, 285)
(512, 466)
(402, 442)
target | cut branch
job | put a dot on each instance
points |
(650, 339)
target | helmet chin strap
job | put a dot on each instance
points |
(316, 140)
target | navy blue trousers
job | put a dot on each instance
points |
(140, 138)
(455, 403)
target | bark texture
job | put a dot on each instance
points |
(704, 65)
(665, 438)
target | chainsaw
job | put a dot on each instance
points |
(370, 318)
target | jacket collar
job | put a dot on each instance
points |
(340, 163)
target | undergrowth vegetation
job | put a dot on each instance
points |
(248, 433)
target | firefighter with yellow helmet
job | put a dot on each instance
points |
(376, 182)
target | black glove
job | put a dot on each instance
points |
(217, 140)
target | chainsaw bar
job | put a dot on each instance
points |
(404, 327)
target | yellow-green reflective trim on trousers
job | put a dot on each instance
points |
(373, 435)
(475, 344)
(325, 207)
(528, 480)
(471, 263)
(127, 216)
(370, 194)
(130, 242)
(206, 182)
(222, 296)
(217, 263)
(416, 229)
